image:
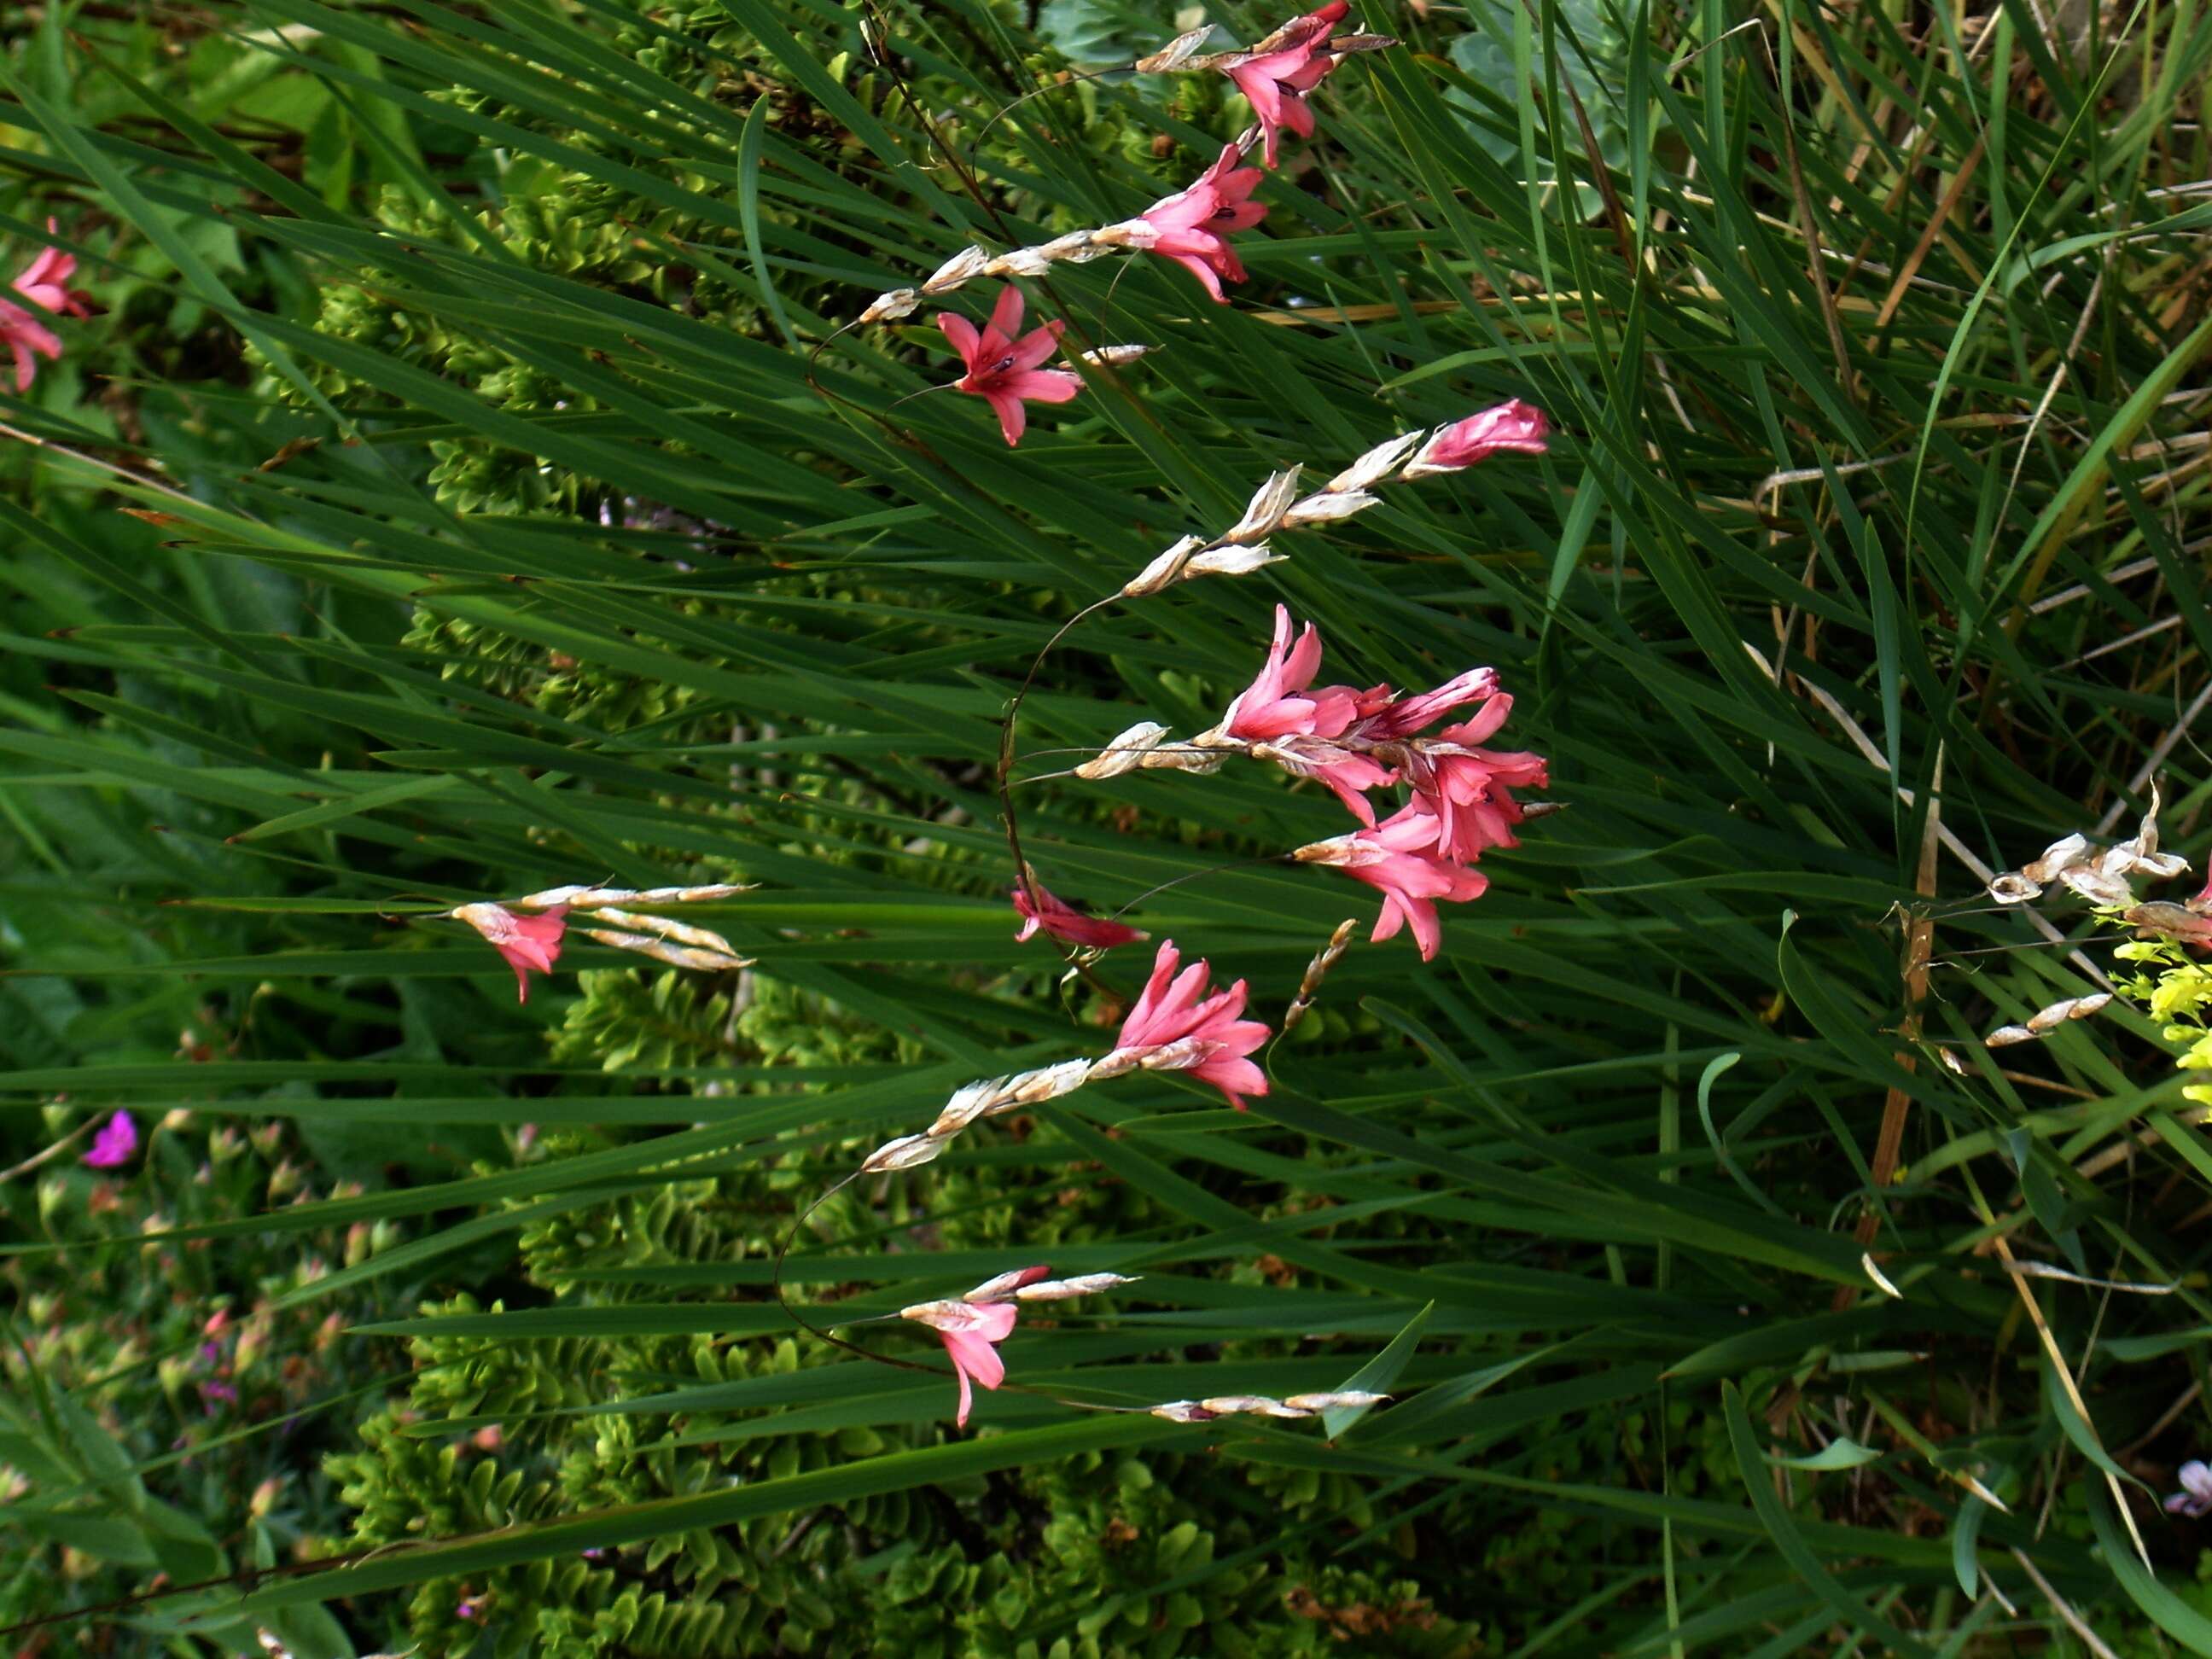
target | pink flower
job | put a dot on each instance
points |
(1471, 794)
(1402, 859)
(1277, 81)
(1069, 925)
(2195, 1496)
(1192, 226)
(1277, 704)
(1516, 428)
(116, 1140)
(968, 1330)
(1408, 715)
(1002, 368)
(527, 942)
(45, 282)
(1176, 1011)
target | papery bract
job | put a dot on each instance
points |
(1064, 922)
(1174, 1007)
(1277, 82)
(1002, 366)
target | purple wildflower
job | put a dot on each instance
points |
(114, 1144)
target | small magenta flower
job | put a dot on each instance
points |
(971, 1332)
(1002, 367)
(1512, 427)
(1175, 1008)
(529, 942)
(116, 1140)
(2195, 1496)
(45, 282)
(1064, 922)
(1401, 858)
(1276, 81)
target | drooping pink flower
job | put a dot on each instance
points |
(1002, 364)
(1064, 922)
(1407, 715)
(1193, 226)
(2195, 1496)
(45, 282)
(115, 1142)
(1401, 859)
(1277, 81)
(527, 941)
(2202, 903)
(969, 1331)
(1512, 427)
(1280, 701)
(1472, 793)
(1175, 1007)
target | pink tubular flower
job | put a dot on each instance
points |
(1401, 859)
(1193, 226)
(1174, 1008)
(527, 941)
(1277, 82)
(1472, 793)
(969, 1331)
(1513, 427)
(1067, 924)
(1279, 702)
(1408, 715)
(116, 1140)
(2195, 1496)
(45, 282)
(1002, 368)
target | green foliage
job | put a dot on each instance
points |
(469, 488)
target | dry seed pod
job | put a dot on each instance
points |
(905, 1153)
(1327, 507)
(1126, 752)
(1184, 1411)
(2171, 921)
(2060, 855)
(2046, 1019)
(1174, 55)
(1060, 1289)
(1114, 355)
(2005, 1035)
(1340, 1400)
(1264, 512)
(2094, 885)
(962, 267)
(1378, 463)
(2014, 888)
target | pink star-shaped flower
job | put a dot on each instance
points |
(1002, 367)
